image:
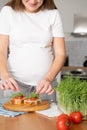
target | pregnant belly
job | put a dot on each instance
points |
(30, 64)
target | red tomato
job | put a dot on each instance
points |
(63, 115)
(63, 123)
(76, 117)
(32, 99)
(19, 97)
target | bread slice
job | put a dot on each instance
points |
(32, 101)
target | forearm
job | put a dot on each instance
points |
(4, 43)
(7, 81)
(3, 66)
(55, 67)
(59, 58)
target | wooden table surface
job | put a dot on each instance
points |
(34, 121)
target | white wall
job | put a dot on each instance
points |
(68, 8)
(2, 2)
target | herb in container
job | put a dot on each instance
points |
(72, 95)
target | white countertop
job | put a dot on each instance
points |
(53, 111)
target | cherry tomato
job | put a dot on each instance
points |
(76, 117)
(32, 99)
(21, 96)
(63, 123)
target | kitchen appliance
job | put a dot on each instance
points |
(80, 25)
(82, 74)
(66, 61)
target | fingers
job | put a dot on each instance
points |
(9, 84)
(1, 87)
(50, 90)
(13, 84)
(44, 87)
(49, 93)
(5, 84)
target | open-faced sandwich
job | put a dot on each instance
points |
(33, 99)
(19, 98)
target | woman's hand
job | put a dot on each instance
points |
(44, 86)
(9, 83)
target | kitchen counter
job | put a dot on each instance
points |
(74, 68)
(34, 121)
(75, 71)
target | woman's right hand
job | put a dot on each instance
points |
(9, 83)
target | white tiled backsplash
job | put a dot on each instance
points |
(76, 50)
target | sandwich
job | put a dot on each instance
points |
(19, 98)
(33, 99)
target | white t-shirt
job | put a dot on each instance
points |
(30, 42)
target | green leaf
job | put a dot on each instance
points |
(16, 95)
(33, 95)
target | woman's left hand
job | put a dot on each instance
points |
(44, 87)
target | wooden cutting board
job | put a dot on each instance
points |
(25, 107)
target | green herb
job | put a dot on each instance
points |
(72, 95)
(16, 95)
(33, 95)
